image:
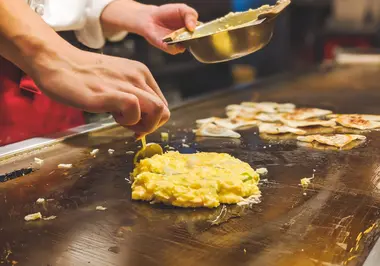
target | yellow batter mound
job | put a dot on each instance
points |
(194, 180)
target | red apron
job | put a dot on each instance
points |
(25, 112)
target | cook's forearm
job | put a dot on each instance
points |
(24, 36)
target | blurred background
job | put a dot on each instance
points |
(306, 35)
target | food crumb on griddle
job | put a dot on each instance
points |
(164, 136)
(111, 151)
(38, 161)
(262, 171)
(33, 217)
(94, 152)
(101, 208)
(305, 182)
(40, 201)
(65, 166)
(52, 217)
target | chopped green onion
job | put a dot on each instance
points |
(249, 177)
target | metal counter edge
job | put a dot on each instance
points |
(39, 142)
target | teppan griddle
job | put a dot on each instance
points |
(333, 222)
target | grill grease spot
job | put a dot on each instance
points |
(15, 174)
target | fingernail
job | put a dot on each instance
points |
(192, 25)
(179, 48)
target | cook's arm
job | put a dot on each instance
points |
(93, 82)
(24, 35)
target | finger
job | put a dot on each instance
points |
(149, 123)
(180, 47)
(144, 80)
(152, 88)
(128, 109)
(151, 112)
(118, 102)
(190, 17)
(178, 16)
(139, 132)
(151, 84)
(164, 117)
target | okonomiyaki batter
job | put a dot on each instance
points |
(194, 180)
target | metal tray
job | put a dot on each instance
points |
(328, 224)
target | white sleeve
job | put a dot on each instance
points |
(81, 16)
(91, 34)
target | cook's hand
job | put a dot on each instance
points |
(165, 19)
(151, 22)
(98, 83)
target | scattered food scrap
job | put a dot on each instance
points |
(305, 182)
(342, 245)
(38, 161)
(369, 229)
(65, 166)
(262, 171)
(254, 199)
(94, 152)
(111, 151)
(129, 152)
(40, 201)
(49, 218)
(101, 208)
(33, 217)
(164, 136)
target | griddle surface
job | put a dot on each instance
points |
(291, 226)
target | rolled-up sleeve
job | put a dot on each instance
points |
(91, 34)
(81, 16)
